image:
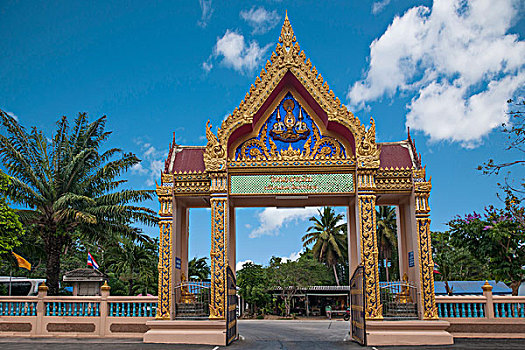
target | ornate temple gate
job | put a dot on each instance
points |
(231, 315)
(357, 306)
(290, 143)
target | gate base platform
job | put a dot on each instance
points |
(415, 332)
(205, 332)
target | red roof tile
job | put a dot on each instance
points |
(189, 159)
(395, 155)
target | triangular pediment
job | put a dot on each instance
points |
(289, 67)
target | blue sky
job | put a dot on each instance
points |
(445, 68)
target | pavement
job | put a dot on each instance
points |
(257, 335)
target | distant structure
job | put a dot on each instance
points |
(86, 282)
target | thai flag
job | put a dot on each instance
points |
(91, 262)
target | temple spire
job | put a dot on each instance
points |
(287, 37)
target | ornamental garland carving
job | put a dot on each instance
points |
(218, 257)
(369, 256)
(164, 267)
(426, 269)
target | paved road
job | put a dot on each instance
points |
(257, 335)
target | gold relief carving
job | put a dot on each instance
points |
(394, 179)
(289, 57)
(366, 180)
(164, 267)
(219, 182)
(166, 178)
(426, 269)
(215, 154)
(424, 186)
(218, 257)
(367, 152)
(369, 256)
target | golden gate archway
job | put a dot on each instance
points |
(291, 142)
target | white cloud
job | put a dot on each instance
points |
(457, 61)
(260, 19)
(379, 6)
(11, 114)
(271, 220)
(239, 264)
(293, 257)
(152, 163)
(237, 54)
(206, 12)
(207, 66)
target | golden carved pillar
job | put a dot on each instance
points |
(164, 303)
(369, 252)
(424, 241)
(219, 237)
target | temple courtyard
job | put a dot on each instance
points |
(256, 334)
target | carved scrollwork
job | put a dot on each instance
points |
(369, 256)
(426, 269)
(218, 257)
(164, 267)
(215, 154)
(367, 152)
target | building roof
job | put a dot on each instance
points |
(185, 159)
(471, 287)
(396, 155)
(87, 274)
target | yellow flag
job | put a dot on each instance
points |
(23, 263)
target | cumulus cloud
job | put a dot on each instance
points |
(260, 19)
(456, 60)
(235, 53)
(379, 6)
(206, 12)
(294, 256)
(152, 163)
(271, 220)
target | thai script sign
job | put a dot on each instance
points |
(291, 184)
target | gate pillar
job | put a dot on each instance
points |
(165, 253)
(424, 242)
(366, 208)
(219, 240)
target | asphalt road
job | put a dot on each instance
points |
(257, 335)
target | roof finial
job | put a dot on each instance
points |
(287, 36)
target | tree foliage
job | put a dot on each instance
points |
(387, 241)
(199, 269)
(328, 239)
(70, 184)
(253, 283)
(496, 239)
(10, 227)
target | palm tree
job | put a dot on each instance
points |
(386, 234)
(329, 241)
(132, 261)
(68, 184)
(199, 268)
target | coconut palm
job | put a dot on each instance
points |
(68, 184)
(199, 268)
(386, 233)
(328, 239)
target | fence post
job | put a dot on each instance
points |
(489, 304)
(104, 294)
(40, 308)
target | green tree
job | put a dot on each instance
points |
(496, 240)
(199, 268)
(253, 284)
(387, 239)
(134, 262)
(455, 263)
(10, 227)
(329, 241)
(70, 185)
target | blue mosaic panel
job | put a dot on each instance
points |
(288, 126)
(291, 184)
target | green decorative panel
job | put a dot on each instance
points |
(291, 184)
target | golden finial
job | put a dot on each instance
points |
(486, 287)
(287, 36)
(105, 286)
